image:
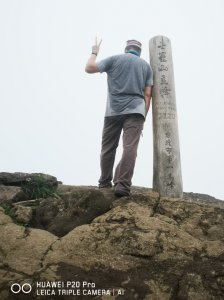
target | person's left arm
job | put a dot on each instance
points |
(91, 66)
(148, 89)
(148, 95)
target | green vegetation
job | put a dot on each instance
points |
(37, 187)
(9, 210)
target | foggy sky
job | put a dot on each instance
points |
(52, 111)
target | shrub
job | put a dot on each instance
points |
(37, 187)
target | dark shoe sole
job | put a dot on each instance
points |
(121, 194)
(105, 186)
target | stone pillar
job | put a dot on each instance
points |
(167, 178)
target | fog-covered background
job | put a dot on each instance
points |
(51, 112)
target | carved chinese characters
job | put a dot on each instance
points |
(167, 178)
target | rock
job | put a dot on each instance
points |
(18, 178)
(11, 194)
(23, 214)
(34, 185)
(24, 249)
(202, 221)
(203, 198)
(73, 208)
(147, 246)
(191, 287)
(4, 219)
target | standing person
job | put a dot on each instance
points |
(130, 80)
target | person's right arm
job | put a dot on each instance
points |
(148, 95)
(91, 66)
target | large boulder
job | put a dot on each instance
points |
(11, 194)
(143, 247)
(72, 208)
(22, 214)
(19, 178)
(16, 187)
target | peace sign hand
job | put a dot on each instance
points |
(96, 47)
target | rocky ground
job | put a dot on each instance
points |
(143, 246)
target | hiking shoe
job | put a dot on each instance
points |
(121, 194)
(105, 186)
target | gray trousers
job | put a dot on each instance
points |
(132, 125)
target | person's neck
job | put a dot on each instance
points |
(133, 52)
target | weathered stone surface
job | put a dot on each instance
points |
(203, 198)
(22, 249)
(4, 219)
(151, 247)
(18, 178)
(73, 208)
(11, 193)
(23, 214)
(7, 276)
(167, 177)
(204, 222)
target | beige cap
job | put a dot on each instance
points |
(134, 43)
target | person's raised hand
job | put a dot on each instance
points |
(96, 47)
